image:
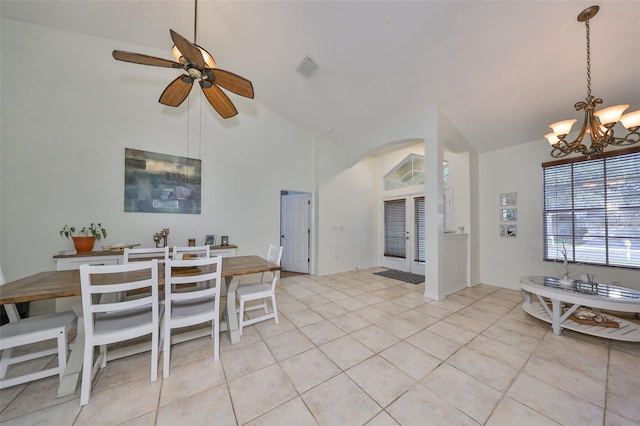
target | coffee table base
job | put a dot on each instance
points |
(628, 331)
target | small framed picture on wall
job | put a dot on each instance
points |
(508, 230)
(210, 240)
(508, 198)
(508, 215)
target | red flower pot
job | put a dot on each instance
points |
(84, 244)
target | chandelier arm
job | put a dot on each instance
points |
(557, 152)
(599, 140)
(586, 124)
(564, 147)
(632, 137)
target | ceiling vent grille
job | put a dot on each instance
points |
(307, 66)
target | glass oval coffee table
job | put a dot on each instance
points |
(558, 304)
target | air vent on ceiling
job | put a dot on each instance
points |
(307, 66)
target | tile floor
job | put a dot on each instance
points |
(354, 349)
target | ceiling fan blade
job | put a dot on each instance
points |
(177, 91)
(218, 100)
(139, 58)
(233, 82)
(190, 52)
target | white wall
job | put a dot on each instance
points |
(459, 184)
(66, 123)
(418, 127)
(64, 131)
(504, 260)
(347, 214)
(466, 180)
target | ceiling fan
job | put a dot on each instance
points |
(198, 65)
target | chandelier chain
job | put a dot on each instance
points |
(588, 60)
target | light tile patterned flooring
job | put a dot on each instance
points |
(355, 348)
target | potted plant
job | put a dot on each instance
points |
(87, 236)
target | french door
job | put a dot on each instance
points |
(403, 234)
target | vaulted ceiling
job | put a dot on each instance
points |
(501, 71)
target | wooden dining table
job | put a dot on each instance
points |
(61, 284)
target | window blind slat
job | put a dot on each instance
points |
(592, 208)
(394, 228)
(419, 237)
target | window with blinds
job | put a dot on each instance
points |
(419, 237)
(394, 228)
(592, 209)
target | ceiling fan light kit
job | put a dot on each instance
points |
(208, 59)
(198, 65)
(598, 124)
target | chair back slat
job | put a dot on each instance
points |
(197, 252)
(188, 294)
(274, 254)
(126, 305)
(177, 277)
(209, 281)
(146, 253)
(117, 287)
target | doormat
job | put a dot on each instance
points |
(407, 277)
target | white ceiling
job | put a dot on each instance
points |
(501, 71)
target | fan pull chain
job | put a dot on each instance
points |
(188, 123)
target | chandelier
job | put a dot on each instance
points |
(598, 124)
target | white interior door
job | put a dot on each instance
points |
(403, 234)
(295, 217)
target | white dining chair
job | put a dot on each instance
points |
(22, 332)
(187, 304)
(263, 290)
(107, 323)
(192, 251)
(145, 253)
